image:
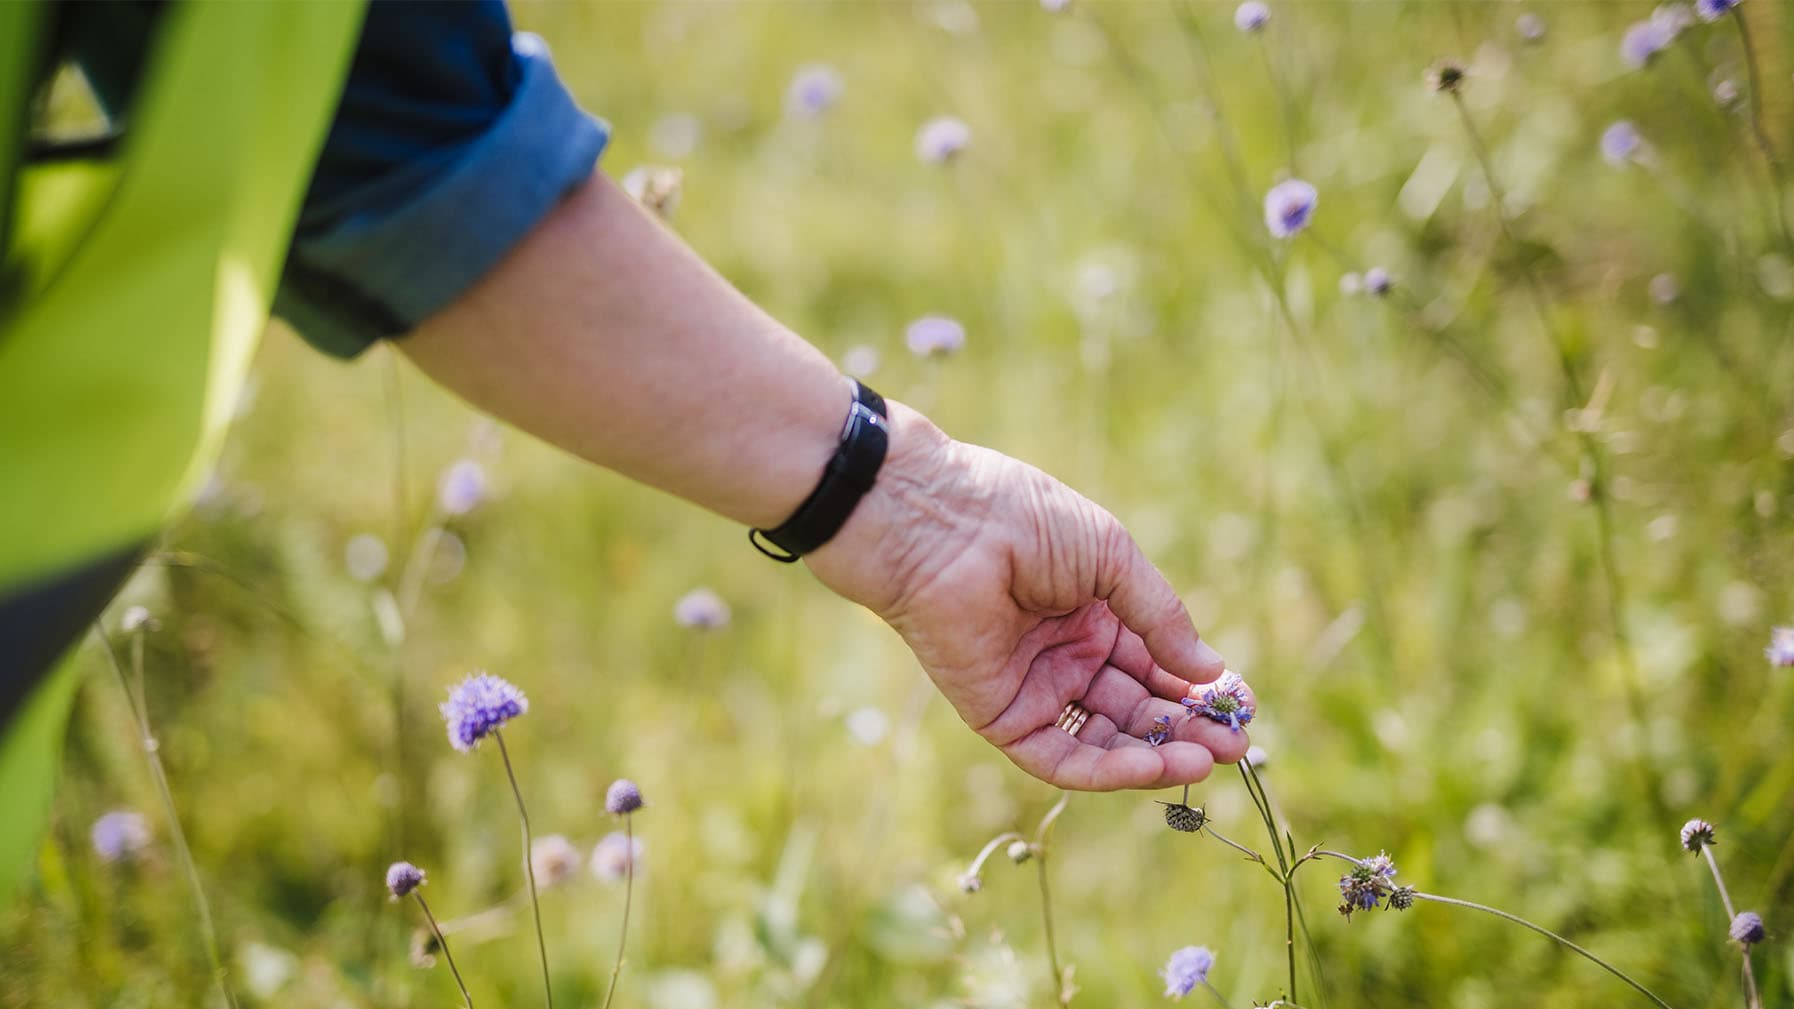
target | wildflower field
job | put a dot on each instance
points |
(1439, 352)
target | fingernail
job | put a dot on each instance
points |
(1206, 654)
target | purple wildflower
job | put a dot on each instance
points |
(1226, 701)
(1673, 18)
(554, 860)
(1713, 10)
(1251, 16)
(478, 706)
(120, 835)
(1645, 39)
(703, 609)
(622, 797)
(1365, 886)
(462, 488)
(1187, 968)
(1378, 281)
(1747, 928)
(402, 878)
(616, 856)
(934, 334)
(1289, 206)
(814, 90)
(1160, 732)
(1530, 26)
(942, 139)
(1620, 142)
(1781, 647)
(1697, 834)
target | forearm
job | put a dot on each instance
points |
(604, 334)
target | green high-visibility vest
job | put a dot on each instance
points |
(136, 287)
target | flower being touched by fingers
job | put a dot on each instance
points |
(1184, 818)
(1446, 76)
(1225, 701)
(1747, 928)
(1781, 647)
(622, 798)
(1713, 10)
(1697, 834)
(402, 878)
(1289, 206)
(942, 139)
(1251, 16)
(554, 860)
(478, 706)
(1187, 968)
(1160, 731)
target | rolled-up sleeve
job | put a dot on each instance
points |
(454, 138)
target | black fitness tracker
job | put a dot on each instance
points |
(848, 476)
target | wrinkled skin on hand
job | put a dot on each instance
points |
(1018, 595)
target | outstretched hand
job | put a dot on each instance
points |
(1019, 595)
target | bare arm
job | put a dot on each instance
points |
(604, 334)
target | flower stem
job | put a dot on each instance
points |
(442, 943)
(1540, 929)
(1217, 994)
(1757, 132)
(1062, 992)
(1263, 801)
(1752, 999)
(628, 895)
(529, 870)
(134, 695)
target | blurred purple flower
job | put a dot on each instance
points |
(702, 609)
(1054, 6)
(402, 878)
(860, 361)
(1225, 701)
(1187, 968)
(462, 487)
(1289, 206)
(814, 90)
(365, 557)
(1747, 928)
(136, 618)
(1350, 283)
(1674, 18)
(942, 139)
(616, 855)
(1530, 26)
(1620, 142)
(622, 797)
(1781, 647)
(1256, 756)
(1725, 92)
(478, 706)
(119, 835)
(1378, 281)
(934, 334)
(554, 860)
(1251, 16)
(1713, 10)
(1645, 39)
(1664, 289)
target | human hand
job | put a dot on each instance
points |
(1017, 595)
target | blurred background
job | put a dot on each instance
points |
(1500, 549)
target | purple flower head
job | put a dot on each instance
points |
(1381, 866)
(1187, 968)
(1713, 10)
(1160, 732)
(478, 706)
(554, 860)
(1747, 928)
(1697, 834)
(934, 334)
(120, 835)
(814, 90)
(702, 609)
(1725, 92)
(622, 797)
(1365, 886)
(1251, 16)
(1288, 207)
(462, 488)
(402, 878)
(1645, 39)
(1781, 647)
(617, 855)
(942, 139)
(1378, 281)
(1226, 701)
(1620, 142)
(1530, 26)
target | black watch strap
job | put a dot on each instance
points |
(849, 474)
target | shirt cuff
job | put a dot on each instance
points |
(372, 275)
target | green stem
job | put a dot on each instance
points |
(1217, 994)
(628, 893)
(1062, 992)
(1547, 933)
(1731, 912)
(134, 695)
(1263, 801)
(442, 944)
(529, 869)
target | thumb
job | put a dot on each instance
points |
(1146, 604)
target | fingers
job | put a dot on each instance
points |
(1146, 604)
(1053, 756)
(1123, 702)
(1131, 657)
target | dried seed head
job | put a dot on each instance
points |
(1020, 851)
(1446, 76)
(1188, 819)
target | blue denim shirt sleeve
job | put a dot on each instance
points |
(454, 137)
